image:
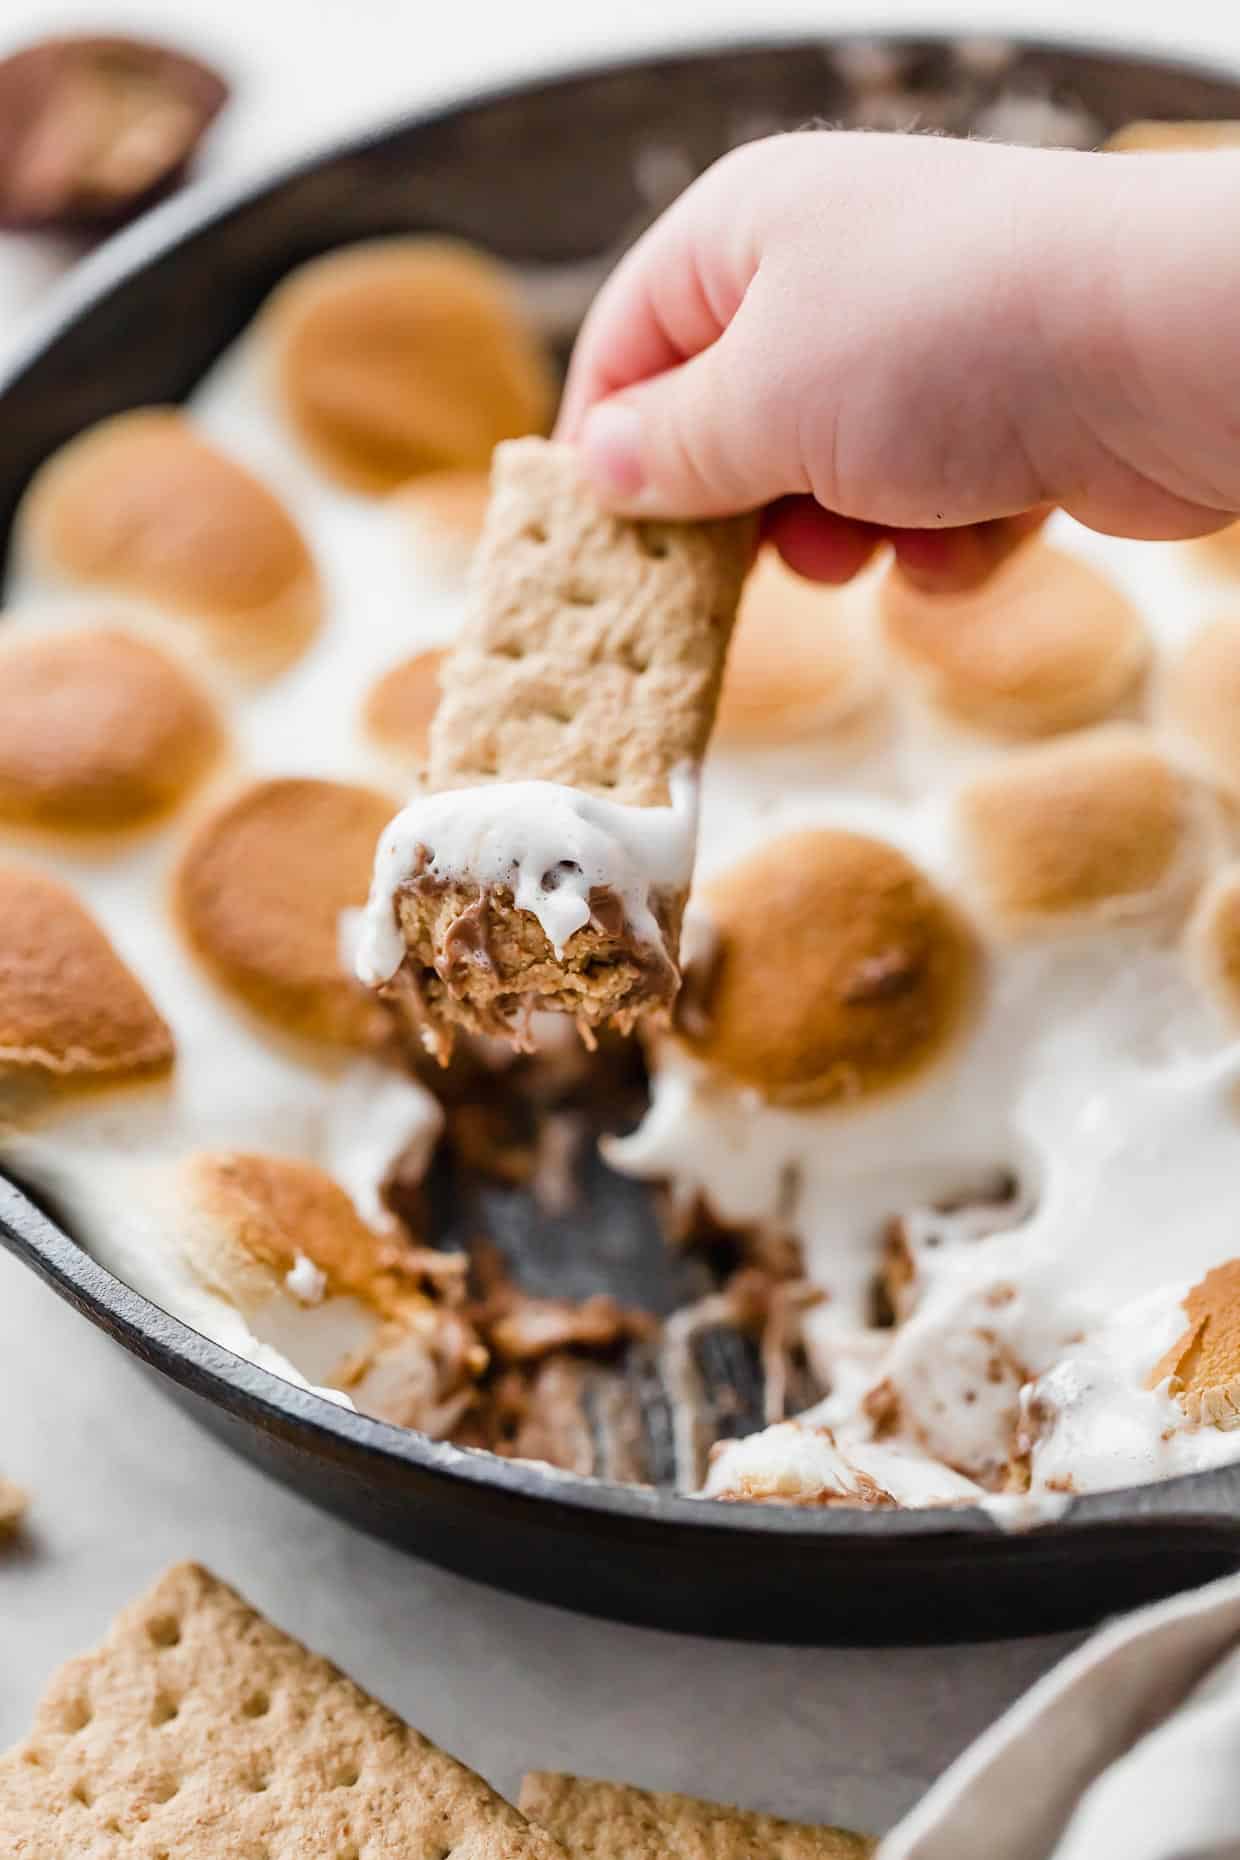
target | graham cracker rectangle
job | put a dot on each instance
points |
(591, 657)
(13, 1503)
(615, 1821)
(198, 1731)
(594, 646)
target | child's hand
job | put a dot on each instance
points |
(903, 335)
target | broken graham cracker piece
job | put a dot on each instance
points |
(614, 1821)
(548, 864)
(1203, 1365)
(199, 1729)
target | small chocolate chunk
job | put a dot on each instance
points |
(93, 129)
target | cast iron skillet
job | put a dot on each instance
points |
(553, 174)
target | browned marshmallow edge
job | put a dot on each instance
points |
(1096, 826)
(402, 357)
(248, 1225)
(71, 1012)
(143, 506)
(1202, 1368)
(259, 890)
(99, 730)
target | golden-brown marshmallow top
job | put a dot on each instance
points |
(841, 970)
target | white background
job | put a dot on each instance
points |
(122, 1483)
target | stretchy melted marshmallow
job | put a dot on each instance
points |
(1085, 1075)
(552, 848)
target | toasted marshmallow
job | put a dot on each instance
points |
(256, 1223)
(799, 1463)
(1214, 939)
(97, 730)
(269, 1255)
(1046, 644)
(1105, 1413)
(791, 1463)
(797, 664)
(841, 970)
(954, 1389)
(400, 706)
(71, 1013)
(1150, 137)
(1202, 700)
(403, 356)
(141, 506)
(1099, 826)
(281, 1241)
(921, 1238)
(1203, 1365)
(260, 891)
(443, 511)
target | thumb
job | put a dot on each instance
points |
(704, 439)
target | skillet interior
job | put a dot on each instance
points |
(141, 323)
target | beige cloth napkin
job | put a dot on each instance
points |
(1128, 1750)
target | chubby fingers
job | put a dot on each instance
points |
(825, 547)
(818, 544)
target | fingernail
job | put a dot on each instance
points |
(610, 446)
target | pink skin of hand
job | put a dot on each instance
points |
(926, 342)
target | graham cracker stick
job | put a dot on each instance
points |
(198, 1730)
(614, 1821)
(594, 646)
(591, 660)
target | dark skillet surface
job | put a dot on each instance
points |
(547, 176)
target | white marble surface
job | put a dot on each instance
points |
(124, 1484)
